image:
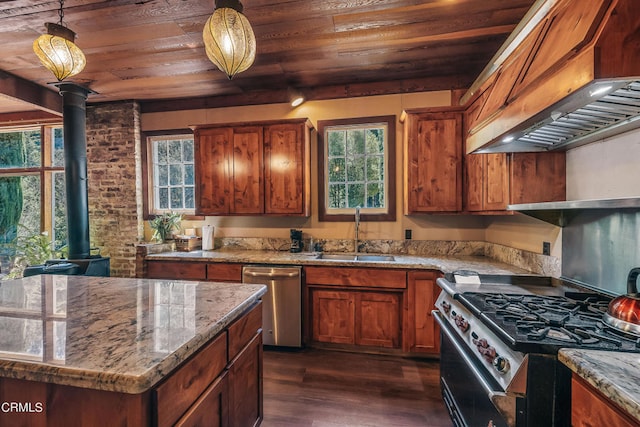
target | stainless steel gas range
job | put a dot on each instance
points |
(499, 344)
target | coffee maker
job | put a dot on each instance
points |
(296, 240)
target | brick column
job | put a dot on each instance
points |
(115, 183)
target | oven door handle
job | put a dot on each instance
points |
(504, 403)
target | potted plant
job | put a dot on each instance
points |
(163, 225)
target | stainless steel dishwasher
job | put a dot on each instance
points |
(281, 305)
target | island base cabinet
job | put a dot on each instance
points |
(245, 385)
(590, 409)
(54, 405)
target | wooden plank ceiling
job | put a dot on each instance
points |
(152, 51)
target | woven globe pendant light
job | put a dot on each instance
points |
(57, 50)
(228, 38)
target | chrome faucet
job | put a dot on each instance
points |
(357, 219)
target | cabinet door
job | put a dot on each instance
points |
(211, 409)
(245, 385)
(538, 177)
(213, 150)
(248, 186)
(590, 408)
(378, 319)
(333, 317)
(422, 333)
(284, 160)
(496, 182)
(434, 162)
(474, 166)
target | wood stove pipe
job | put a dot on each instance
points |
(75, 160)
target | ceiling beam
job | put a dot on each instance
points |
(40, 98)
(311, 94)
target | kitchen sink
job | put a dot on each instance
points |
(353, 257)
(375, 258)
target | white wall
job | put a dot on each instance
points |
(424, 227)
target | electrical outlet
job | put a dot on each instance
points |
(407, 234)
(546, 248)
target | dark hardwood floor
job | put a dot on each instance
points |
(322, 388)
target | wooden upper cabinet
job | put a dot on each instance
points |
(287, 157)
(253, 168)
(247, 167)
(494, 181)
(433, 162)
(214, 149)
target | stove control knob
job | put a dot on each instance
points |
(501, 364)
(462, 323)
(445, 306)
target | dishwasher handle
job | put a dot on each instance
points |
(270, 272)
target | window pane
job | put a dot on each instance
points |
(189, 198)
(355, 169)
(161, 152)
(375, 168)
(337, 170)
(375, 141)
(163, 198)
(175, 172)
(10, 207)
(189, 175)
(337, 142)
(187, 150)
(337, 196)
(176, 198)
(375, 195)
(175, 152)
(31, 203)
(163, 175)
(60, 234)
(57, 151)
(355, 195)
(355, 142)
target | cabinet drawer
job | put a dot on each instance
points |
(223, 272)
(356, 277)
(176, 270)
(174, 396)
(244, 329)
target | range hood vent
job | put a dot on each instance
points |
(568, 76)
(577, 120)
(561, 213)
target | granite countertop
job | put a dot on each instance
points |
(615, 374)
(444, 263)
(114, 334)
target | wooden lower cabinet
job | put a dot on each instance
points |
(590, 409)
(362, 318)
(245, 385)
(333, 316)
(422, 334)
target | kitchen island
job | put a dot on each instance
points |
(604, 387)
(77, 350)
